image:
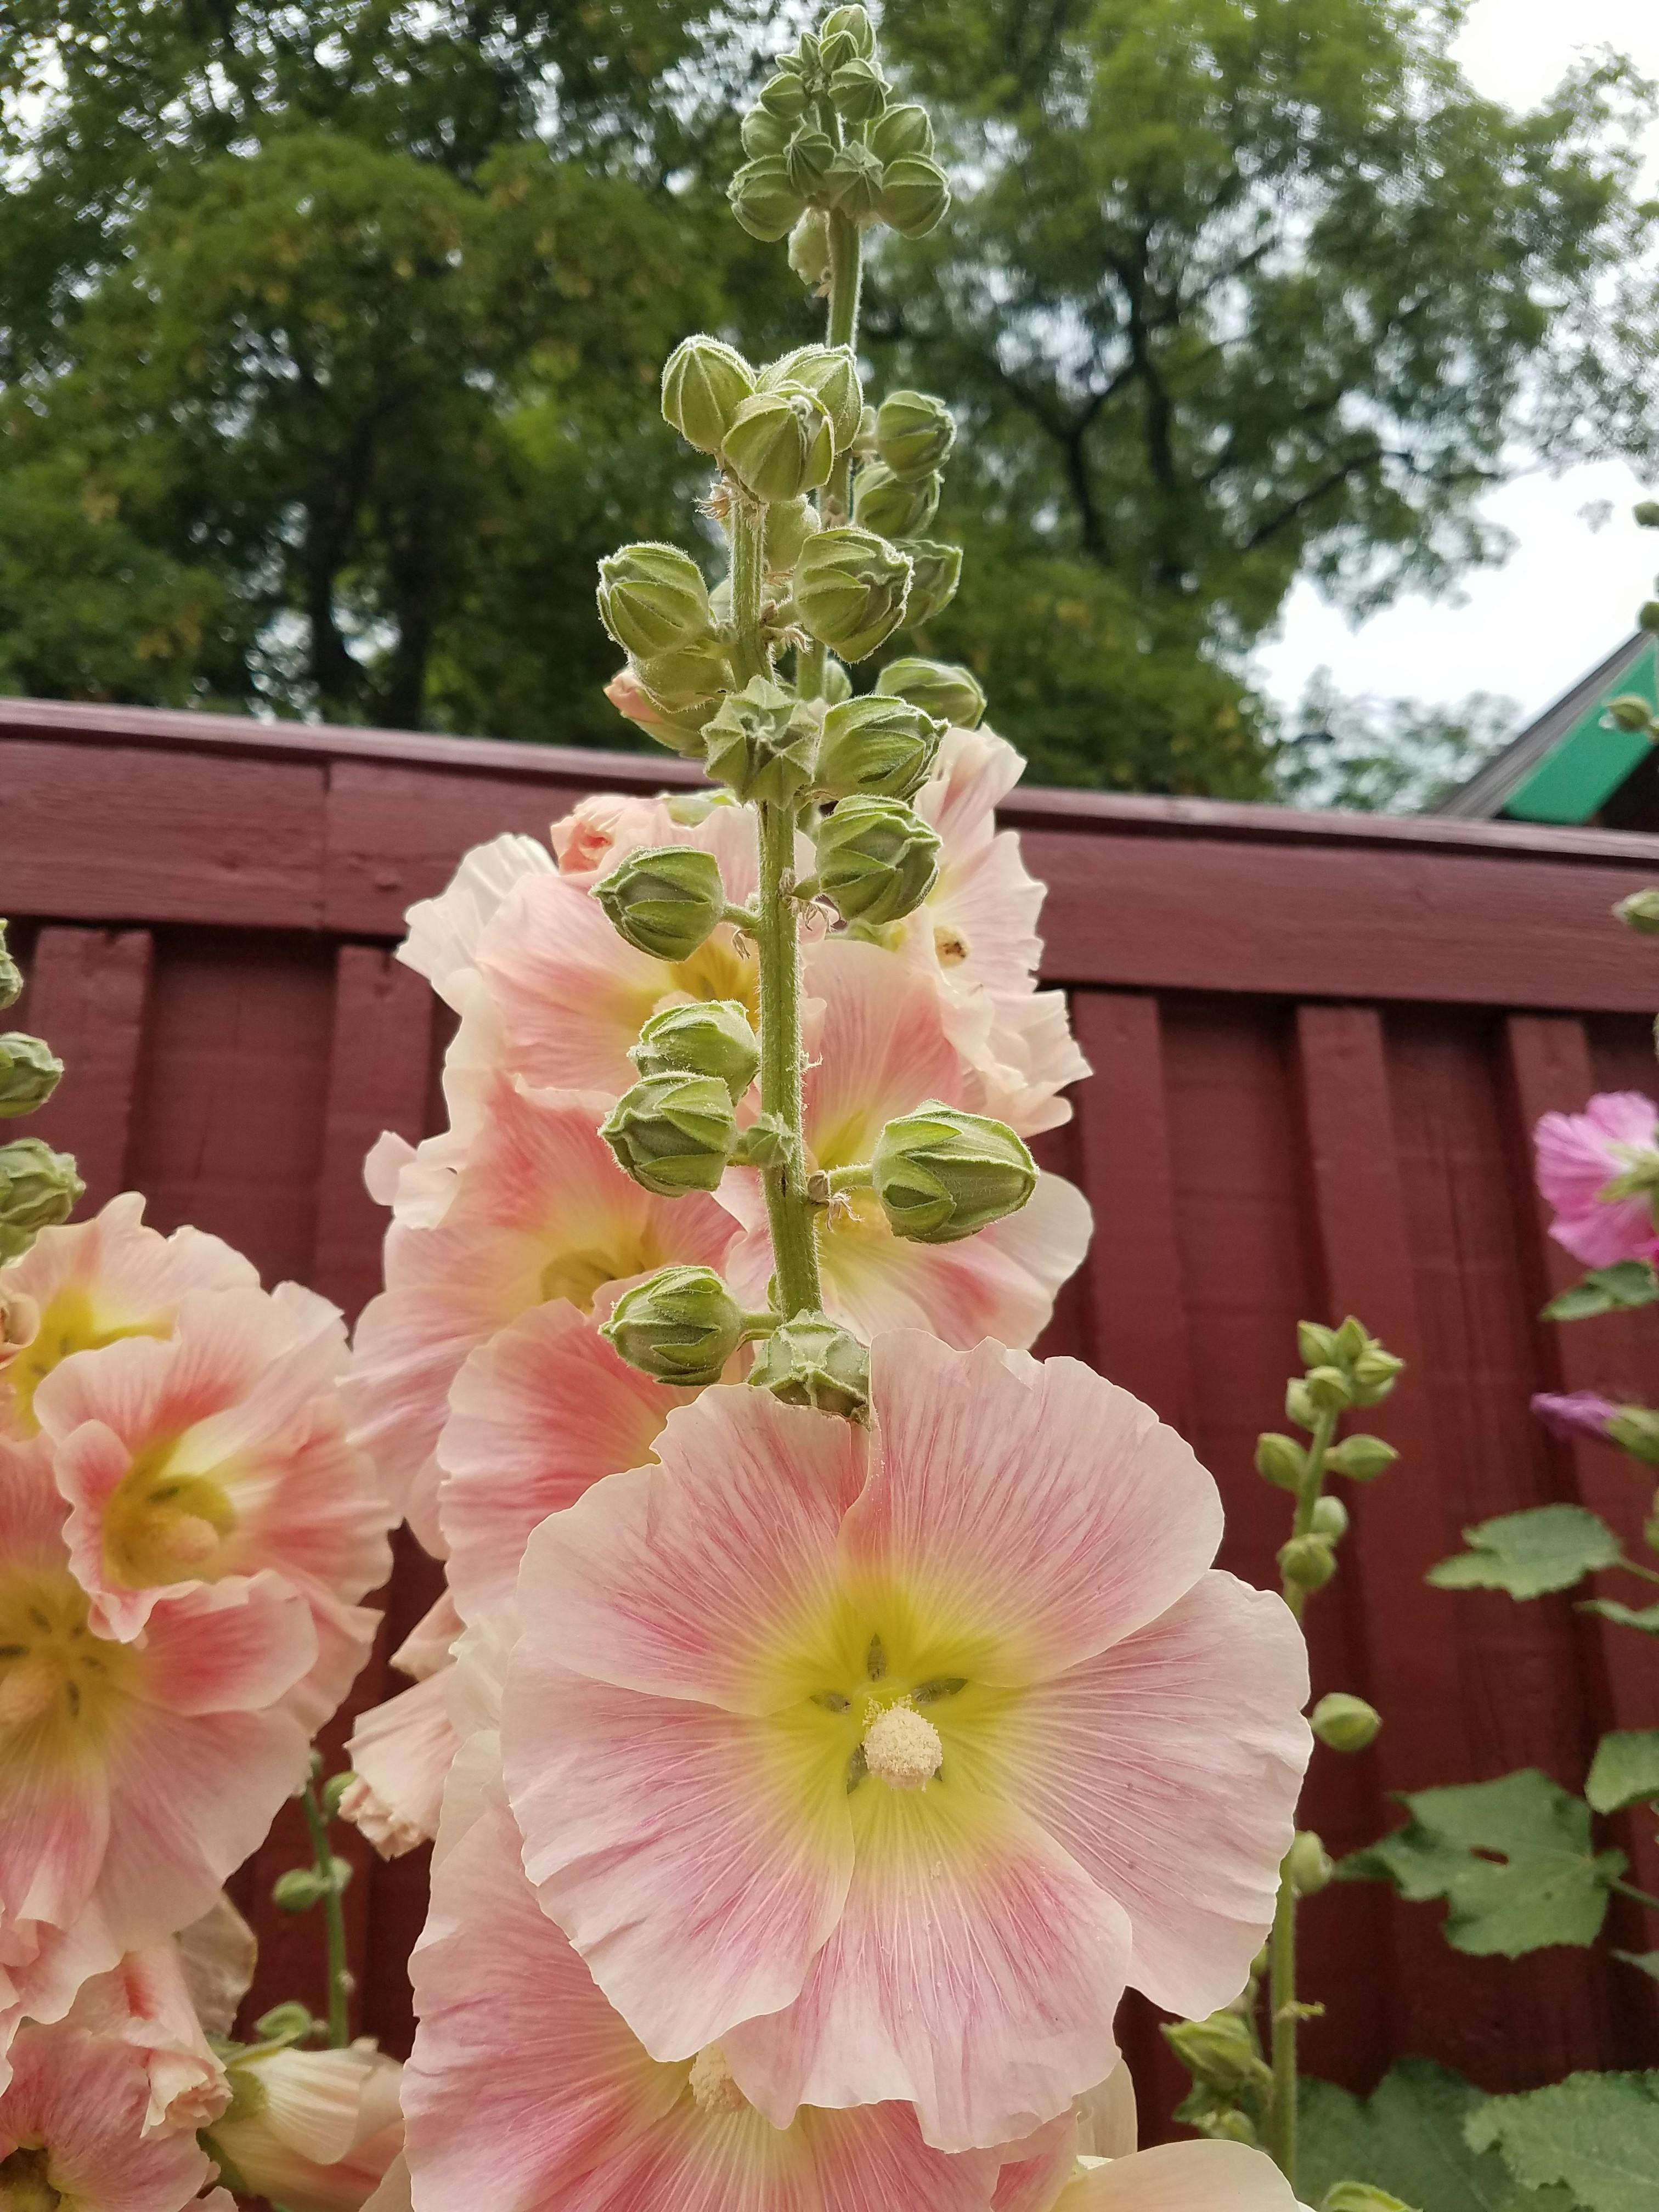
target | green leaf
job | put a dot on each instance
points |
(1513, 1858)
(1549, 1549)
(1408, 2140)
(1605, 1290)
(1623, 1616)
(1645, 1962)
(1625, 1771)
(1596, 2135)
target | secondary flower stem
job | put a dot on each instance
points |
(1629, 1889)
(339, 1975)
(846, 278)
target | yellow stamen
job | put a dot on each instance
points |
(713, 2088)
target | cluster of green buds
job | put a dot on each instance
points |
(1346, 1368)
(39, 1186)
(1231, 2092)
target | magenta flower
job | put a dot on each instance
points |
(1576, 1414)
(1585, 1162)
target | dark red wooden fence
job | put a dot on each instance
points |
(1320, 1043)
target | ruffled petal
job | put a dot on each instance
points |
(82, 2101)
(401, 1753)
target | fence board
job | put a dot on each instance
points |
(86, 991)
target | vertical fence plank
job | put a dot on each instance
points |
(86, 994)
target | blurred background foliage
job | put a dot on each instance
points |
(330, 335)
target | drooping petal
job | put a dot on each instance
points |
(401, 1753)
(1185, 2177)
(74, 2114)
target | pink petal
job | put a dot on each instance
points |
(1184, 2177)
(83, 2100)
(400, 1753)
(1034, 2173)
(444, 932)
(1578, 1156)
(882, 1049)
(601, 830)
(227, 1647)
(145, 2001)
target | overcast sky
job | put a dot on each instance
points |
(1569, 592)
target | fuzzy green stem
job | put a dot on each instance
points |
(789, 1212)
(339, 1975)
(846, 280)
(1631, 1567)
(749, 654)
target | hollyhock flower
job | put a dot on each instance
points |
(403, 1753)
(541, 1213)
(311, 2131)
(881, 1050)
(145, 2000)
(1574, 1413)
(95, 1282)
(134, 1776)
(72, 2132)
(1584, 1159)
(961, 1692)
(599, 831)
(1184, 2177)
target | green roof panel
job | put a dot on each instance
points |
(1587, 764)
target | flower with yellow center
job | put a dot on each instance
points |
(72, 2132)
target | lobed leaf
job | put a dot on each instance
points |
(1625, 1771)
(1606, 1290)
(1595, 2135)
(1623, 1616)
(1408, 2140)
(1550, 1547)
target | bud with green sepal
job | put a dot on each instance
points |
(653, 599)
(1308, 1864)
(680, 732)
(762, 743)
(831, 374)
(893, 506)
(29, 1070)
(846, 34)
(877, 746)
(935, 572)
(664, 899)
(1280, 1460)
(1361, 1458)
(902, 128)
(761, 133)
(1307, 1561)
(11, 976)
(940, 688)
(703, 384)
(1640, 912)
(1632, 713)
(858, 91)
(942, 1174)
(1299, 1407)
(850, 588)
(785, 95)
(811, 1360)
(877, 859)
(789, 524)
(289, 2023)
(1329, 1389)
(807, 156)
(709, 1037)
(1329, 1519)
(333, 1792)
(766, 1143)
(781, 443)
(39, 1188)
(302, 1888)
(1319, 1346)
(914, 197)
(1346, 1723)
(1219, 2051)
(681, 1325)
(854, 184)
(915, 433)
(672, 1134)
(764, 198)
(1374, 1374)
(681, 680)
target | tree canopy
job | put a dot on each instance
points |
(330, 333)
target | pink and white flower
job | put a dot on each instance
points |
(403, 1751)
(311, 2130)
(847, 1749)
(144, 2001)
(1599, 1171)
(72, 2130)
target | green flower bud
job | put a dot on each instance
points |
(302, 1887)
(686, 676)
(781, 443)
(809, 248)
(1329, 1389)
(1346, 1723)
(844, 34)
(762, 132)
(877, 746)
(680, 1325)
(764, 198)
(858, 90)
(1349, 1341)
(1219, 2051)
(935, 572)
(29, 1070)
(831, 374)
(681, 732)
(763, 743)
(877, 859)
(333, 1790)
(1308, 1864)
(850, 588)
(902, 128)
(1635, 1429)
(710, 1036)
(1330, 1519)
(939, 687)
(897, 507)
(1646, 512)
(672, 1132)
(1307, 1561)
(11, 977)
(1632, 712)
(39, 1188)
(703, 384)
(1360, 2196)
(789, 524)
(1647, 616)
(837, 684)
(915, 196)
(1640, 912)
(691, 807)
(1298, 1405)
(1317, 1347)
(854, 184)
(914, 433)
(807, 158)
(1374, 1374)
(1280, 1460)
(287, 2023)
(766, 1143)
(864, 444)
(812, 1361)
(653, 599)
(1362, 1459)
(942, 1174)
(785, 95)
(664, 899)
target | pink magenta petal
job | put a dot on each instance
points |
(974, 1973)
(1043, 1505)
(145, 2001)
(1168, 1766)
(600, 831)
(695, 1858)
(537, 1414)
(1579, 1155)
(83, 2100)
(1185, 2177)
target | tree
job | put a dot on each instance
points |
(1384, 755)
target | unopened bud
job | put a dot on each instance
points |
(1330, 1519)
(940, 688)
(1362, 1459)
(286, 2023)
(1317, 1347)
(876, 747)
(807, 157)
(1360, 2196)
(762, 132)
(1329, 1389)
(681, 732)
(1280, 1460)
(703, 385)
(680, 1325)
(812, 1361)
(664, 899)
(914, 433)
(766, 1143)
(299, 1889)
(1298, 1405)
(1346, 1723)
(858, 90)
(935, 572)
(894, 507)
(850, 589)
(1640, 912)
(809, 248)
(784, 95)
(854, 184)
(39, 1188)
(789, 524)
(709, 1037)
(764, 198)
(29, 1070)
(1307, 1561)
(845, 33)
(781, 443)
(1375, 1373)
(831, 374)
(653, 599)
(1635, 1429)
(837, 684)
(1631, 712)
(877, 859)
(1219, 2051)
(672, 1132)
(11, 977)
(687, 676)
(915, 196)
(1308, 1864)
(942, 1174)
(763, 743)
(333, 1790)
(901, 128)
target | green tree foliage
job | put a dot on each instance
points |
(1383, 756)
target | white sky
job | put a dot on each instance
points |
(1569, 592)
